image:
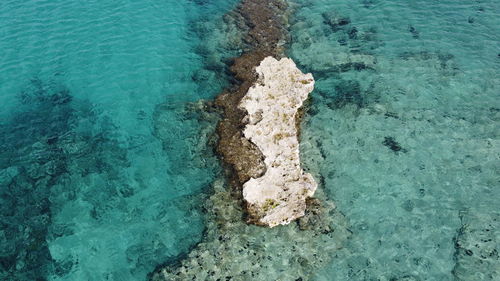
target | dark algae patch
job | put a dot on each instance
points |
(476, 246)
(31, 161)
(392, 144)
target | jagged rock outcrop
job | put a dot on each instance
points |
(272, 103)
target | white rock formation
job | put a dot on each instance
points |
(279, 196)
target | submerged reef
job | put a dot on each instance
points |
(476, 247)
(32, 160)
(44, 153)
(263, 22)
(401, 145)
(278, 196)
(232, 249)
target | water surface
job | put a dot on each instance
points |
(101, 165)
(104, 163)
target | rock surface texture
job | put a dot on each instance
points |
(264, 36)
(272, 104)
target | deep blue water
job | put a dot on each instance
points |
(104, 162)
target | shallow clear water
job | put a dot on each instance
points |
(100, 170)
(404, 130)
(103, 162)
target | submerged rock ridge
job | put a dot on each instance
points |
(272, 104)
(263, 22)
(231, 248)
(234, 250)
(265, 36)
(476, 246)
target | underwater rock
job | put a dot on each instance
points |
(338, 62)
(347, 92)
(414, 32)
(233, 250)
(193, 142)
(444, 62)
(335, 20)
(345, 61)
(263, 25)
(352, 33)
(476, 247)
(279, 195)
(29, 167)
(391, 143)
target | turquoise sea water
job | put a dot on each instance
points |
(100, 169)
(404, 130)
(103, 163)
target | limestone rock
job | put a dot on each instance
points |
(279, 195)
